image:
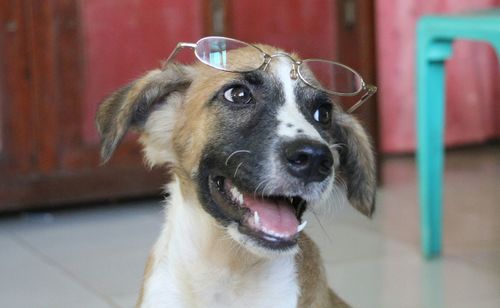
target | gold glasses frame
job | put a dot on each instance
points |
(295, 72)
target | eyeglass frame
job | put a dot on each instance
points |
(294, 73)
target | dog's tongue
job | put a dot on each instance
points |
(276, 216)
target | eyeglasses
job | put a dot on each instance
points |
(331, 77)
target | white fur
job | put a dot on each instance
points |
(158, 130)
(197, 265)
(289, 113)
(257, 249)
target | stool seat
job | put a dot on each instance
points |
(435, 36)
(479, 25)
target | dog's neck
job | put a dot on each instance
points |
(194, 255)
(194, 236)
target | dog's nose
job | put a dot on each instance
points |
(309, 160)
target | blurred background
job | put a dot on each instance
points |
(60, 58)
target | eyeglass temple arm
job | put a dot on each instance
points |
(178, 48)
(370, 90)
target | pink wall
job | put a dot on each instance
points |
(473, 83)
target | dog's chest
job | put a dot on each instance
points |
(269, 285)
(272, 284)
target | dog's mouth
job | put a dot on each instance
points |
(273, 221)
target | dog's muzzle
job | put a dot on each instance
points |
(271, 212)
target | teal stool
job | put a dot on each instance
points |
(435, 36)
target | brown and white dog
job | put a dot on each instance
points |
(249, 153)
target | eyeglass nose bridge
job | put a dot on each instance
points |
(295, 64)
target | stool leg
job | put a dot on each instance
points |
(430, 151)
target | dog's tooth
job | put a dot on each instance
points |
(256, 218)
(236, 195)
(302, 226)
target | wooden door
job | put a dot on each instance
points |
(60, 58)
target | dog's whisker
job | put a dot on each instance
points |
(234, 248)
(257, 188)
(269, 188)
(336, 194)
(265, 188)
(237, 168)
(337, 205)
(234, 153)
(341, 182)
(322, 227)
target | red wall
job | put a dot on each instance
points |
(473, 83)
(307, 27)
(125, 38)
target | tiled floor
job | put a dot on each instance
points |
(94, 257)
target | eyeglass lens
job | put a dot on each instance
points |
(331, 76)
(223, 54)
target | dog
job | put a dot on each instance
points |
(249, 152)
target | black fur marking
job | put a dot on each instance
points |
(105, 120)
(254, 78)
(308, 100)
(252, 129)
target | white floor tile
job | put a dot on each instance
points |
(408, 281)
(346, 242)
(106, 250)
(126, 300)
(27, 280)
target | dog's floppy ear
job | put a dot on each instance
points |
(357, 163)
(130, 106)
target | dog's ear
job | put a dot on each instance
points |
(130, 106)
(357, 163)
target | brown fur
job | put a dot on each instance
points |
(196, 121)
(357, 167)
(315, 292)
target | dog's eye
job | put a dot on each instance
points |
(323, 114)
(238, 95)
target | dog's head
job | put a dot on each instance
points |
(259, 148)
